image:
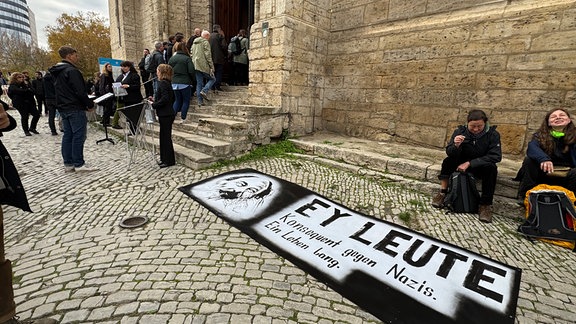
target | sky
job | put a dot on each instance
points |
(47, 11)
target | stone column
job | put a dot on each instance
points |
(287, 63)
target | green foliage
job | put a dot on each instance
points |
(279, 149)
(405, 216)
(16, 55)
(87, 33)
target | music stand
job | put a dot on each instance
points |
(135, 126)
(98, 101)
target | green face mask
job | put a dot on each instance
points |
(556, 134)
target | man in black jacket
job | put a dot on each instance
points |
(72, 102)
(157, 59)
(38, 87)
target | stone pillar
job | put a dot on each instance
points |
(287, 63)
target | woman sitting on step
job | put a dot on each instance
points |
(551, 154)
(473, 148)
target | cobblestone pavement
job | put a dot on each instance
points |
(72, 261)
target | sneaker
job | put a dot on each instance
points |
(69, 168)
(33, 131)
(86, 168)
(438, 200)
(185, 121)
(27, 134)
(485, 213)
(204, 95)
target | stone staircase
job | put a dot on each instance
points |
(226, 127)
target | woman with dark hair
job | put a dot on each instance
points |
(473, 148)
(130, 81)
(23, 100)
(552, 148)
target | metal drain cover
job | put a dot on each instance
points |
(134, 221)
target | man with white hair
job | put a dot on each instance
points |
(202, 59)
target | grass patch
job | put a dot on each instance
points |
(279, 149)
(405, 217)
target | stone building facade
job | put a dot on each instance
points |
(407, 70)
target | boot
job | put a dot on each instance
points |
(7, 305)
(438, 200)
(485, 213)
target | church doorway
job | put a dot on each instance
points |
(233, 15)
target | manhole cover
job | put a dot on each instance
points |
(134, 221)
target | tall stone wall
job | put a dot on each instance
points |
(380, 69)
(138, 24)
(287, 65)
(412, 69)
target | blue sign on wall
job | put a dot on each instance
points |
(115, 65)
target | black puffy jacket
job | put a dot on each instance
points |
(71, 92)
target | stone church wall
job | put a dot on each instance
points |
(138, 24)
(408, 70)
(411, 70)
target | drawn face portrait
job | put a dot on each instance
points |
(244, 187)
(242, 195)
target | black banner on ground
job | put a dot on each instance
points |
(396, 274)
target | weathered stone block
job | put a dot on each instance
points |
(512, 138)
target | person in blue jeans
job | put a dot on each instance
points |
(202, 59)
(72, 102)
(183, 68)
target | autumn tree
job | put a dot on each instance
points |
(17, 54)
(87, 33)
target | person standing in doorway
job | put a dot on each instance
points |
(241, 59)
(72, 102)
(219, 48)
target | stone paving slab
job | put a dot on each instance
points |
(72, 261)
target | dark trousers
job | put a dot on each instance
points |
(25, 113)
(166, 146)
(487, 173)
(148, 87)
(51, 107)
(240, 74)
(218, 72)
(530, 175)
(108, 111)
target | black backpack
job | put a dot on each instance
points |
(238, 46)
(551, 215)
(462, 196)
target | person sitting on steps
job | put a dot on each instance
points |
(552, 147)
(473, 148)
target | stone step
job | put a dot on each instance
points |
(216, 127)
(209, 146)
(187, 156)
(409, 161)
